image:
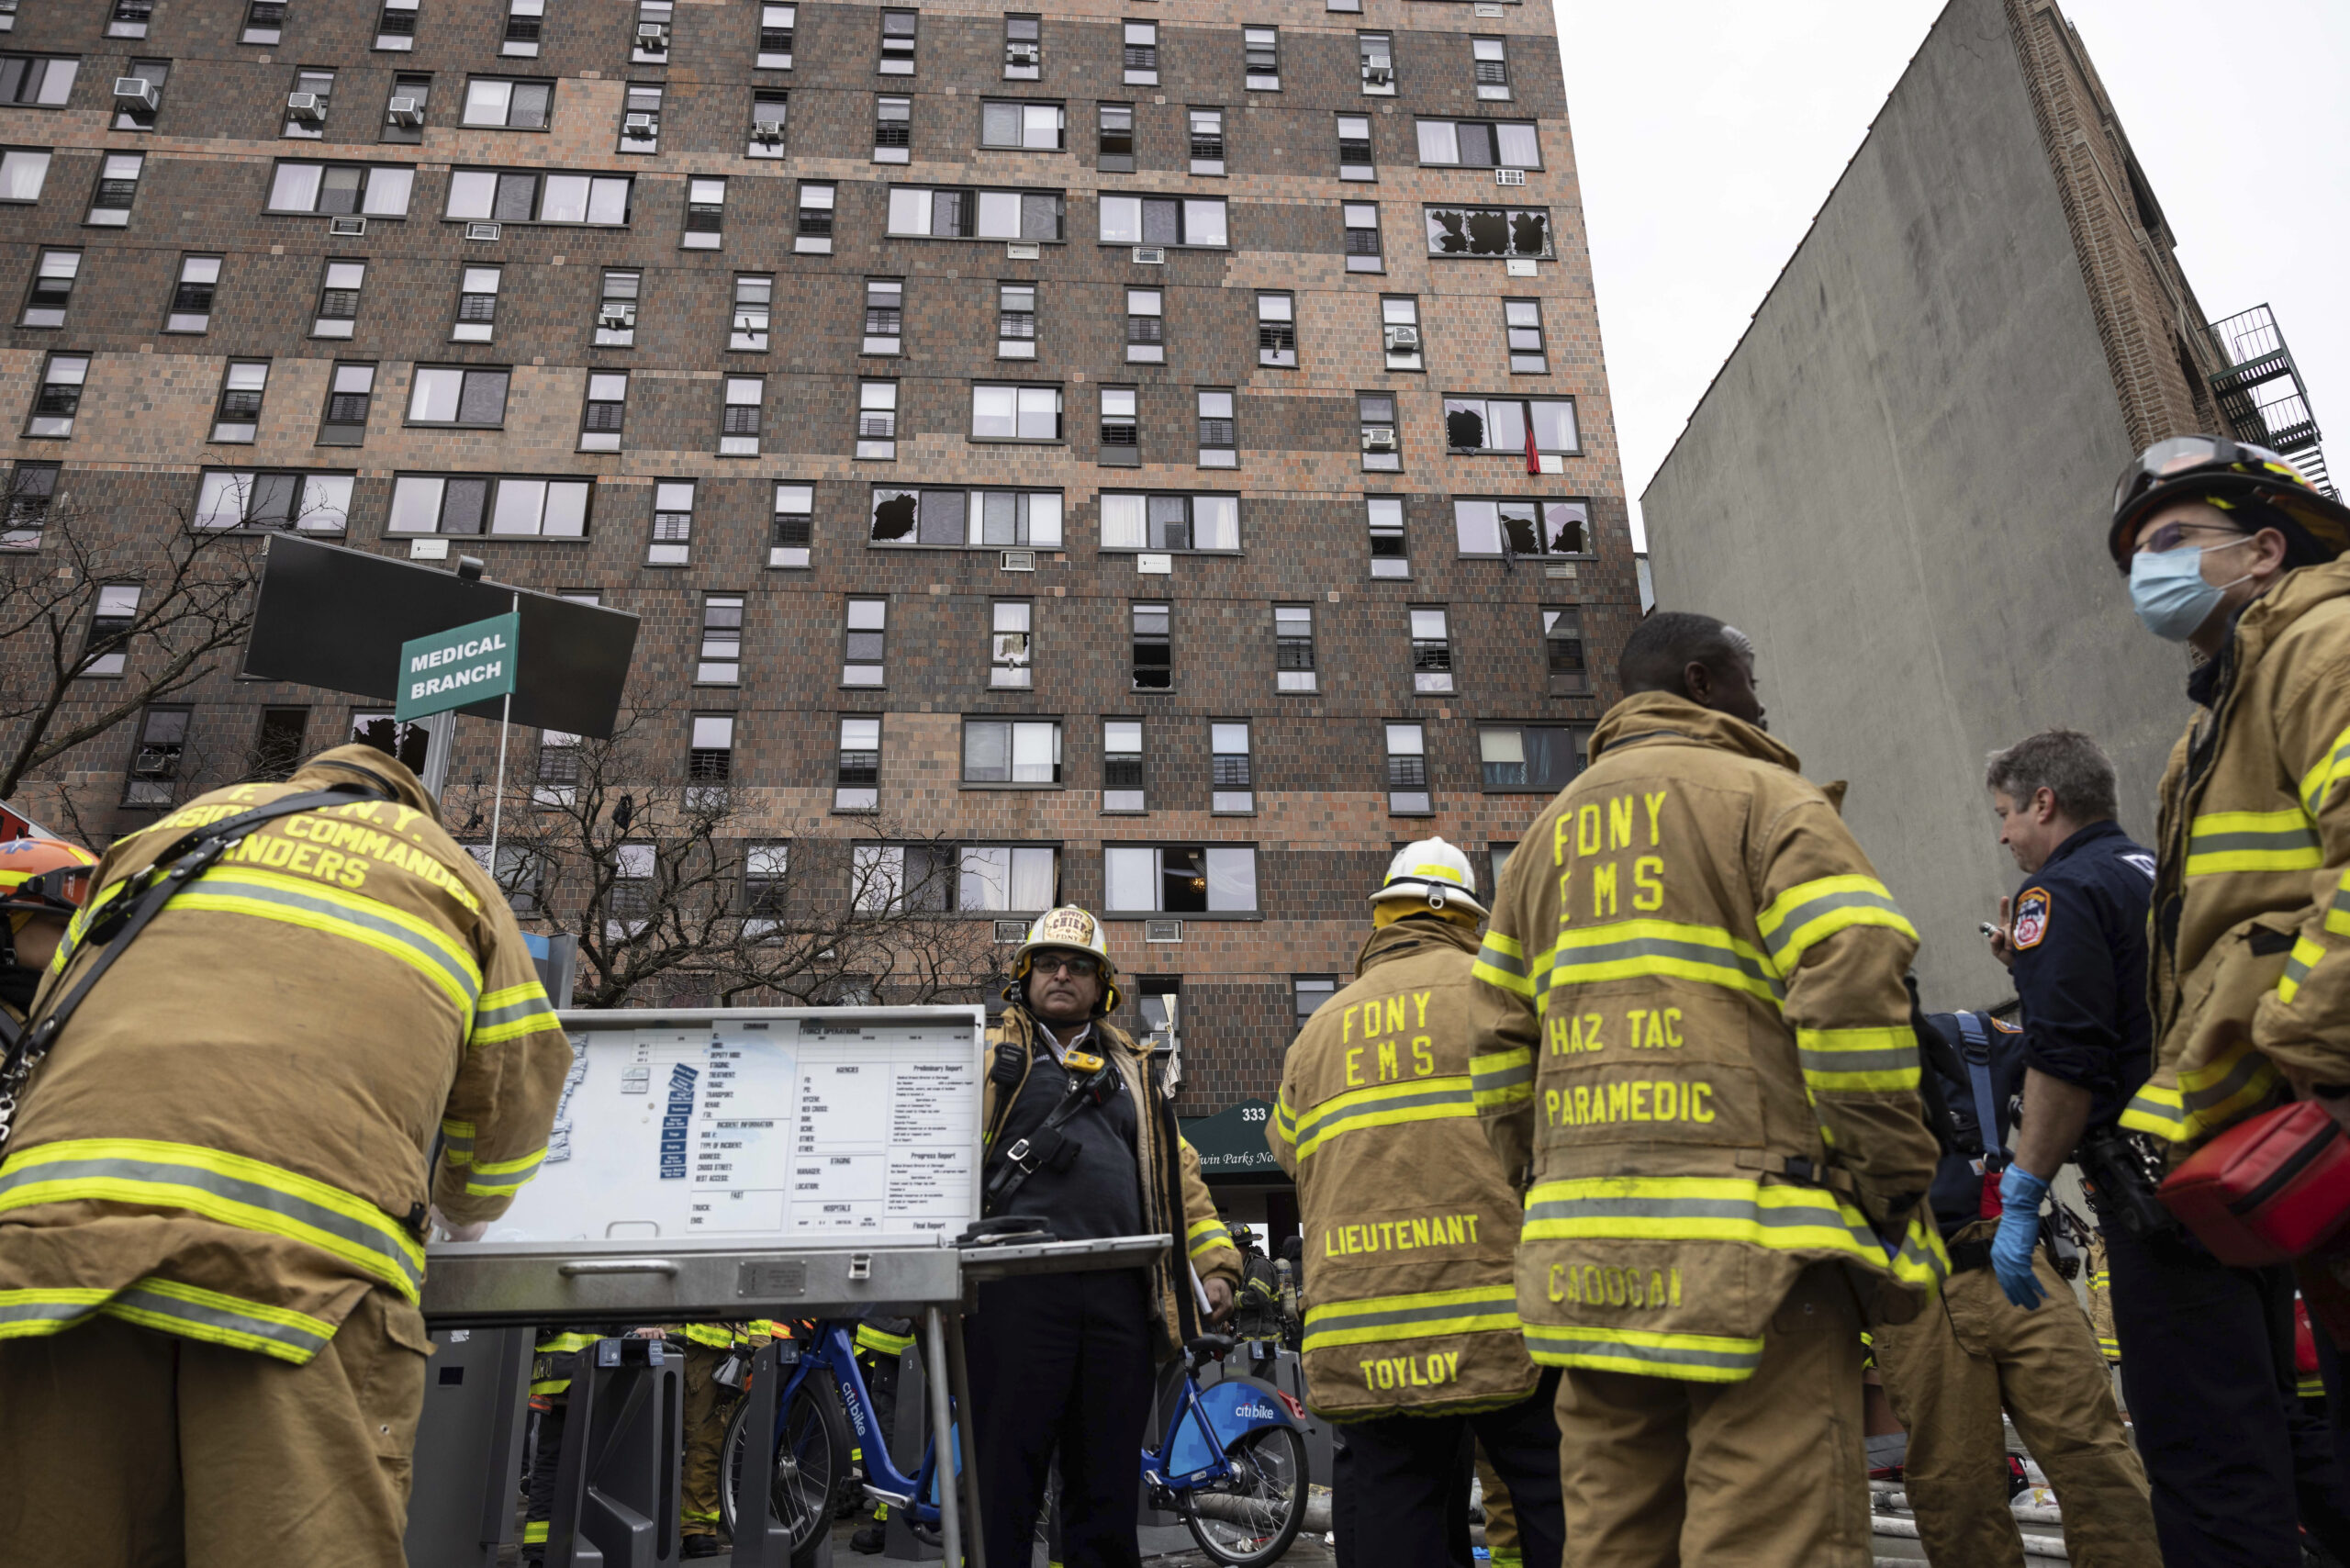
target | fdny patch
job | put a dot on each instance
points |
(2032, 917)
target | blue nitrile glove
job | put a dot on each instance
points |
(2019, 1195)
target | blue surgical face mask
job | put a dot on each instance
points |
(2168, 589)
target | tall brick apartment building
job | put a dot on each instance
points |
(1116, 418)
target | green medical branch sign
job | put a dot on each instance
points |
(454, 668)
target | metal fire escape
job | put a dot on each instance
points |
(2261, 392)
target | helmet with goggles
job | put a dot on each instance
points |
(1431, 873)
(44, 876)
(2227, 473)
(1071, 931)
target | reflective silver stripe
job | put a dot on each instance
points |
(1485, 1080)
(1781, 934)
(485, 1183)
(1548, 1343)
(2272, 841)
(1566, 960)
(1337, 1315)
(212, 1320)
(1890, 1060)
(225, 882)
(1323, 1122)
(1508, 963)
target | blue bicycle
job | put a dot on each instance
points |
(1231, 1464)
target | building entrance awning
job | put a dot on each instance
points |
(1232, 1142)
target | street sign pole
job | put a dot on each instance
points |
(505, 718)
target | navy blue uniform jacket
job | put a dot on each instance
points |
(2080, 966)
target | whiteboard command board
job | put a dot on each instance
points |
(750, 1128)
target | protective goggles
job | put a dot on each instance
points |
(2183, 455)
(62, 888)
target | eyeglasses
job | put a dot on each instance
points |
(1075, 963)
(2171, 536)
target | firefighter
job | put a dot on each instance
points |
(555, 1362)
(2229, 550)
(1412, 1339)
(710, 1403)
(43, 881)
(881, 1343)
(1697, 1048)
(214, 1200)
(1081, 1138)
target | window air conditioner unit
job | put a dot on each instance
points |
(1162, 931)
(615, 321)
(1150, 255)
(1509, 176)
(640, 127)
(652, 38)
(1014, 931)
(310, 108)
(1379, 76)
(1379, 438)
(1020, 560)
(481, 231)
(346, 227)
(766, 132)
(1022, 54)
(136, 94)
(406, 112)
(1403, 340)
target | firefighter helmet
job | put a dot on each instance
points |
(1432, 872)
(1076, 931)
(44, 876)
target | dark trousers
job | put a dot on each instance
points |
(544, 1455)
(1394, 1499)
(1061, 1360)
(2207, 1371)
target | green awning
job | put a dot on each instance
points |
(1232, 1142)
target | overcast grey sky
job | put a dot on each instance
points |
(1708, 132)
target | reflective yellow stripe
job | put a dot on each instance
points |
(456, 1141)
(171, 1307)
(1501, 1077)
(490, 1178)
(564, 1344)
(2251, 841)
(2306, 955)
(1423, 1316)
(1501, 963)
(1635, 949)
(1691, 1358)
(511, 1012)
(2331, 769)
(295, 901)
(2337, 914)
(79, 927)
(535, 1532)
(1417, 1100)
(871, 1339)
(1284, 1119)
(2225, 1088)
(1837, 1060)
(1810, 913)
(713, 1336)
(2156, 1109)
(1207, 1236)
(1724, 1208)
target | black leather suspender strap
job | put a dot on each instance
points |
(1012, 1168)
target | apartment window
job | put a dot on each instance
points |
(1497, 854)
(990, 520)
(777, 26)
(350, 398)
(1479, 145)
(861, 650)
(1146, 327)
(1115, 151)
(51, 289)
(1511, 425)
(536, 198)
(338, 299)
(23, 171)
(1207, 142)
(1522, 526)
(379, 190)
(455, 395)
(404, 110)
(815, 236)
(1310, 992)
(1217, 447)
(277, 747)
(770, 109)
(117, 187)
(673, 523)
(893, 130)
(764, 868)
(1009, 650)
(898, 29)
(1277, 331)
(640, 117)
(1432, 652)
(710, 756)
(59, 397)
(1023, 47)
(127, 19)
(525, 20)
(630, 899)
(1490, 58)
(471, 504)
(1122, 784)
(1012, 751)
(1407, 770)
(739, 416)
(37, 80)
(1383, 443)
(1153, 220)
(1361, 220)
(111, 618)
(1231, 784)
(191, 310)
(919, 212)
(557, 780)
(876, 418)
(1489, 231)
(795, 525)
(1142, 55)
(395, 27)
(653, 21)
(153, 777)
(1170, 523)
(860, 766)
(1260, 55)
(1539, 758)
(1154, 656)
(1294, 647)
(1377, 52)
(1354, 148)
(1037, 127)
(705, 213)
(512, 105)
(130, 113)
(242, 386)
(306, 105)
(603, 409)
(753, 294)
(616, 310)
(1121, 427)
(1563, 651)
(1016, 321)
(886, 877)
(1005, 877)
(1399, 331)
(1522, 321)
(307, 502)
(265, 21)
(1191, 878)
(1015, 413)
(407, 742)
(476, 305)
(31, 487)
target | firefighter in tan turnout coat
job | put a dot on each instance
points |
(1411, 1229)
(1697, 1044)
(213, 1206)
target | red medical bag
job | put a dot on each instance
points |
(2269, 1189)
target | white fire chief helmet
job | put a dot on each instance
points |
(1432, 872)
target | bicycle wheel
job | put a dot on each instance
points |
(1250, 1518)
(811, 1459)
